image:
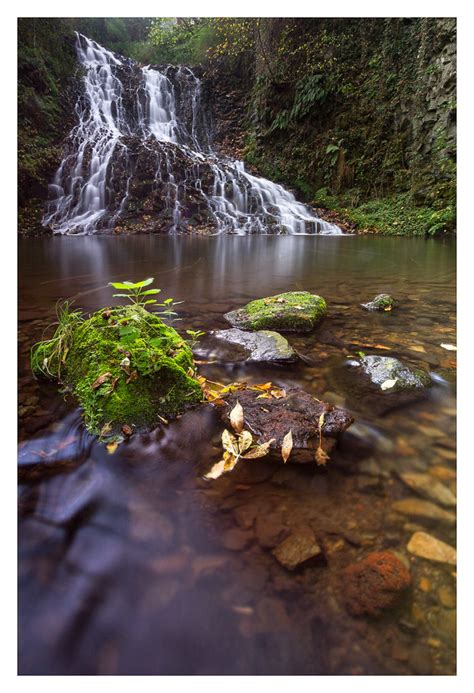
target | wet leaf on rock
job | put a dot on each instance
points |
(237, 418)
(387, 384)
(287, 446)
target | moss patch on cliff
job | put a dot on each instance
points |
(124, 365)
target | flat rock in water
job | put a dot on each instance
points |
(297, 411)
(428, 486)
(263, 345)
(293, 311)
(425, 546)
(298, 550)
(383, 302)
(424, 510)
(381, 383)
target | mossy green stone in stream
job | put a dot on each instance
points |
(382, 302)
(293, 311)
(123, 364)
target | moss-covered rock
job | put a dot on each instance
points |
(125, 366)
(293, 311)
(381, 302)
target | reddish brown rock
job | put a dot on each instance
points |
(374, 583)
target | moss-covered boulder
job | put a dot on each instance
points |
(293, 311)
(383, 302)
(124, 364)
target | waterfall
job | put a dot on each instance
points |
(141, 157)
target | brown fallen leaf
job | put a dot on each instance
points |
(133, 376)
(101, 380)
(127, 430)
(321, 456)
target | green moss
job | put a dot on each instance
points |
(293, 311)
(124, 365)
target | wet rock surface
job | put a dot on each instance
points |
(263, 345)
(375, 583)
(296, 411)
(294, 311)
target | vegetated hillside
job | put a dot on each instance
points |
(360, 116)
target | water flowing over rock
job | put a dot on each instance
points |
(140, 159)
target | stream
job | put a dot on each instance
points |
(133, 563)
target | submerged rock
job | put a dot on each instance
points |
(263, 345)
(375, 583)
(428, 486)
(294, 410)
(424, 510)
(294, 311)
(298, 550)
(381, 302)
(124, 365)
(381, 383)
(425, 546)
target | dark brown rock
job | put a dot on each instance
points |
(374, 583)
(296, 411)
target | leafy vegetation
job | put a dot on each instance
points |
(394, 215)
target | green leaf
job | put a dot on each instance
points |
(149, 292)
(151, 300)
(145, 282)
(120, 285)
(121, 295)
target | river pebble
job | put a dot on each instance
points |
(426, 546)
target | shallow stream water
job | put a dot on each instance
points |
(132, 563)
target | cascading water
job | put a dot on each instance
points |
(140, 158)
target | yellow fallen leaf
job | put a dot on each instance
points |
(111, 447)
(245, 441)
(229, 442)
(449, 347)
(287, 446)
